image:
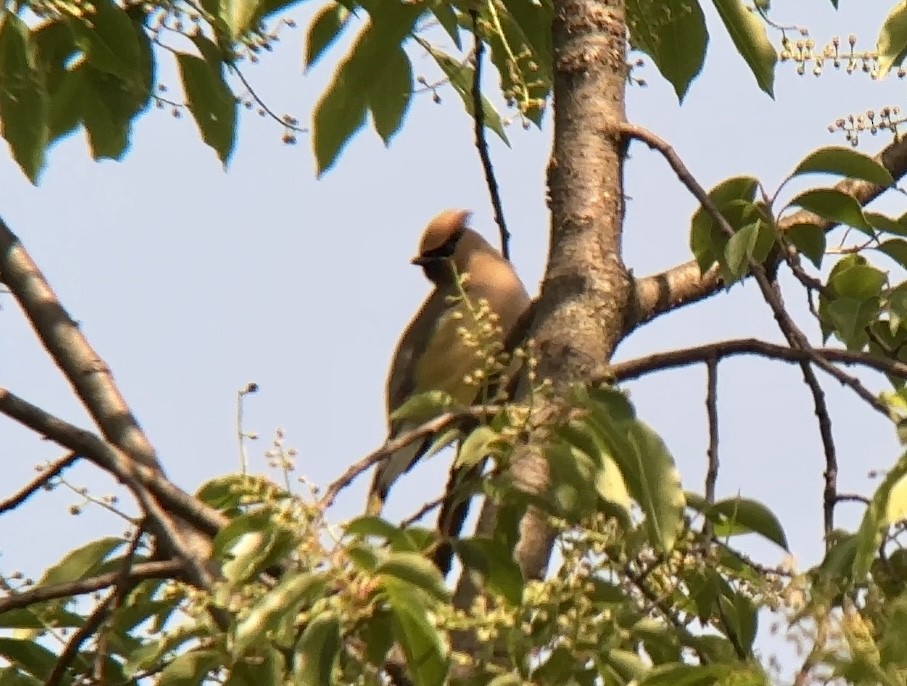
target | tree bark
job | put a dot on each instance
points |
(584, 303)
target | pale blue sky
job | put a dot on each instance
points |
(191, 282)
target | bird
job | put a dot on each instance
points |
(434, 352)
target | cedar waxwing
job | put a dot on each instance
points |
(434, 352)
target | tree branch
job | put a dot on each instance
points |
(159, 569)
(684, 284)
(711, 405)
(769, 287)
(80, 364)
(478, 117)
(432, 426)
(639, 367)
(40, 481)
(112, 460)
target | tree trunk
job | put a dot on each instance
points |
(585, 297)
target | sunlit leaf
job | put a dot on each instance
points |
(673, 33)
(211, 102)
(844, 162)
(326, 27)
(747, 31)
(23, 97)
(835, 206)
(892, 41)
(317, 651)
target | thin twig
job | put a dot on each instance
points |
(711, 405)
(422, 511)
(71, 651)
(41, 481)
(240, 432)
(287, 123)
(122, 585)
(852, 498)
(159, 569)
(93, 448)
(429, 428)
(478, 116)
(655, 362)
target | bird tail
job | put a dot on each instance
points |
(391, 469)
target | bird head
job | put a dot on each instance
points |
(443, 243)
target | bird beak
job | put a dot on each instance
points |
(420, 260)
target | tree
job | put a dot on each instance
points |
(242, 582)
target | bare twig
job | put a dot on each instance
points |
(111, 459)
(422, 511)
(478, 116)
(49, 472)
(852, 498)
(122, 585)
(829, 494)
(71, 651)
(240, 432)
(636, 368)
(430, 427)
(711, 404)
(160, 569)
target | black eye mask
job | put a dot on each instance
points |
(442, 252)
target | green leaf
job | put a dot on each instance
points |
(860, 281)
(687, 675)
(844, 162)
(415, 570)
(110, 41)
(422, 407)
(238, 15)
(494, 561)
(649, 472)
(885, 223)
(340, 112)
(284, 601)
(747, 31)
(521, 50)
(732, 197)
(835, 206)
(211, 102)
(892, 41)
(478, 445)
(426, 658)
(447, 18)
(80, 562)
(29, 656)
(390, 102)
(809, 239)
(23, 97)
(889, 505)
(318, 651)
(739, 249)
(460, 77)
(742, 515)
(249, 544)
(896, 249)
(190, 669)
(264, 668)
(324, 30)
(674, 35)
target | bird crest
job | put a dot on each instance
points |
(442, 228)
